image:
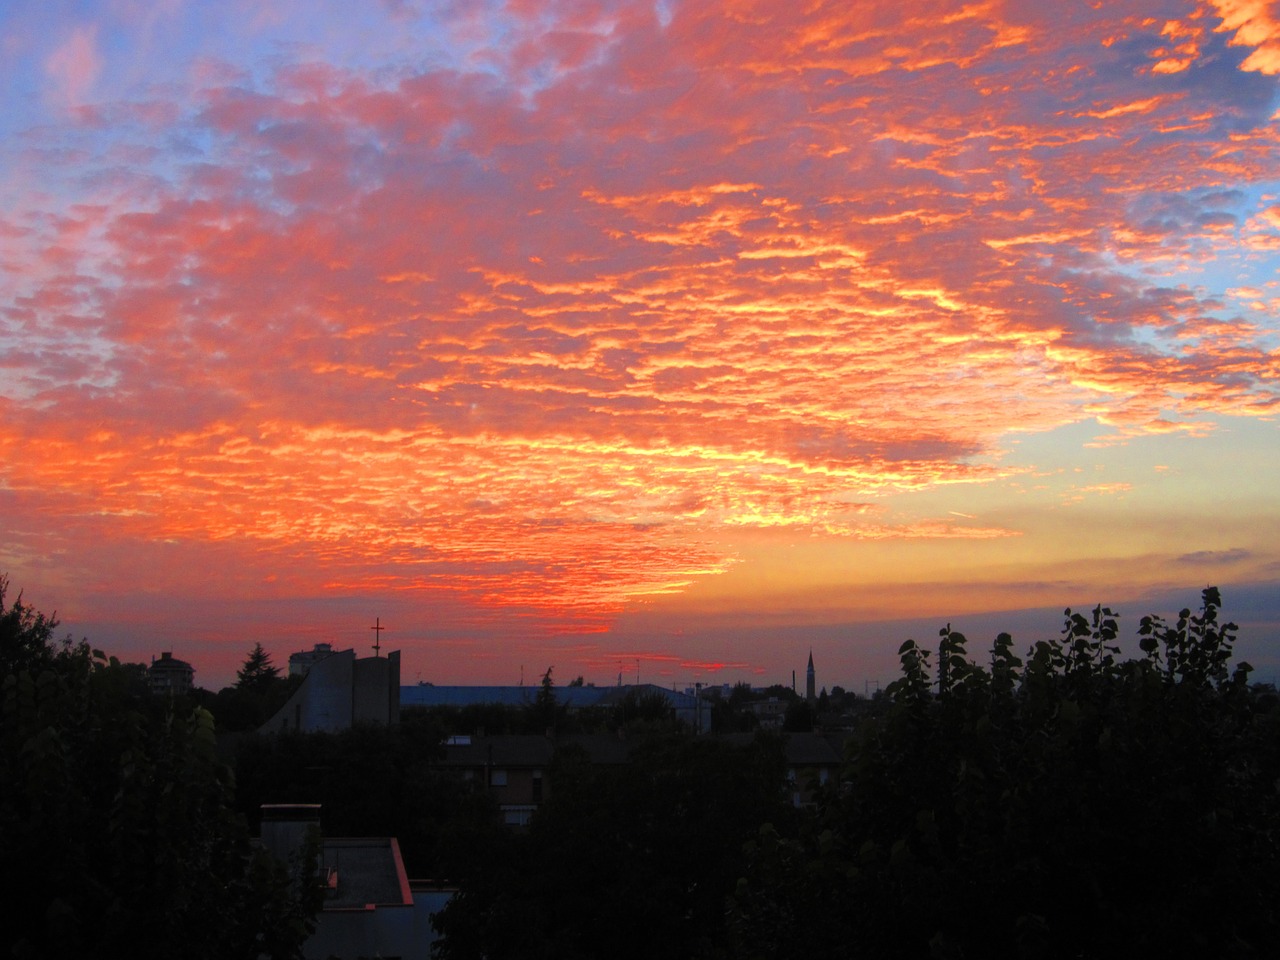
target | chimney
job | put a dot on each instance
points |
(286, 828)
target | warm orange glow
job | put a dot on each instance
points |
(587, 314)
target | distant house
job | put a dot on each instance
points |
(769, 712)
(370, 908)
(813, 760)
(340, 691)
(513, 768)
(300, 663)
(170, 676)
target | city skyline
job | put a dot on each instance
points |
(586, 334)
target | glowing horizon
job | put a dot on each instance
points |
(586, 332)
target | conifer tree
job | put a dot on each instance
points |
(258, 671)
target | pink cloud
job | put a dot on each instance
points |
(74, 67)
(536, 342)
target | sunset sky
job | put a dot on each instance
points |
(670, 339)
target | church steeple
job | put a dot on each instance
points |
(810, 681)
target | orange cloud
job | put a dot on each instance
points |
(1253, 23)
(541, 333)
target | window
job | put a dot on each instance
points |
(497, 778)
(517, 815)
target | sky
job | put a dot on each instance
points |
(663, 340)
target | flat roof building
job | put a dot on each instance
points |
(300, 663)
(170, 676)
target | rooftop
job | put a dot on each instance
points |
(431, 695)
(369, 873)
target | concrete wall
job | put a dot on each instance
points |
(339, 691)
(376, 931)
(376, 690)
(323, 702)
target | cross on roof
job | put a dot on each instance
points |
(377, 629)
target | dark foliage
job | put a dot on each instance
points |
(376, 781)
(26, 636)
(642, 713)
(623, 861)
(258, 670)
(635, 713)
(546, 713)
(733, 714)
(115, 817)
(799, 717)
(1075, 805)
(259, 692)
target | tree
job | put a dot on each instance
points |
(643, 713)
(777, 691)
(624, 860)
(798, 718)
(116, 813)
(733, 714)
(259, 691)
(257, 672)
(741, 694)
(26, 636)
(545, 713)
(1069, 803)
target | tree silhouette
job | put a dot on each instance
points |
(26, 636)
(545, 713)
(258, 671)
(1072, 804)
(116, 813)
(624, 860)
(259, 691)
